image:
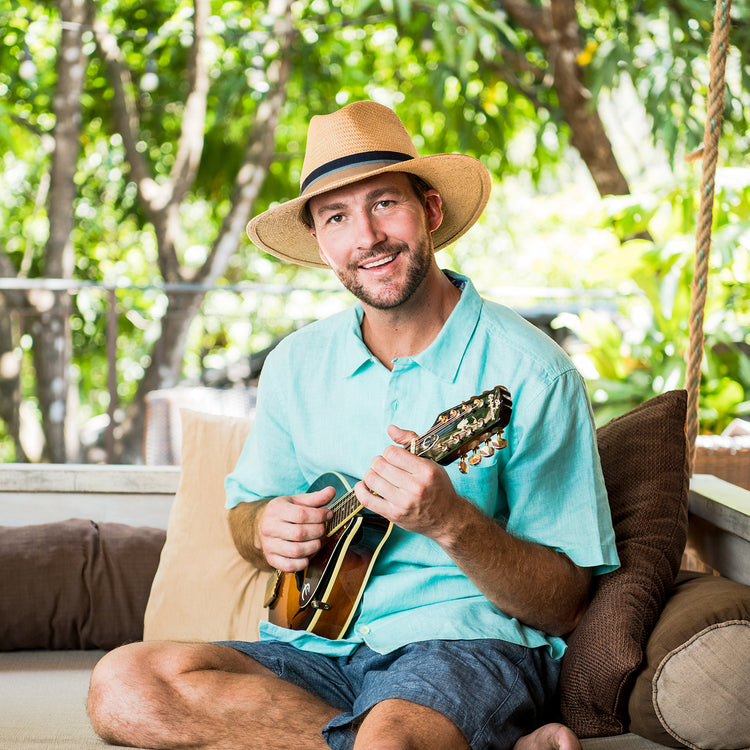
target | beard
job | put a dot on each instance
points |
(388, 294)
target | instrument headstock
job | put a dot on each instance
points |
(474, 426)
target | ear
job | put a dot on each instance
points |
(433, 210)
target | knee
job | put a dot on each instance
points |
(136, 686)
(114, 685)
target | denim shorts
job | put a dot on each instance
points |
(493, 691)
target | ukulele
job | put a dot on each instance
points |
(322, 599)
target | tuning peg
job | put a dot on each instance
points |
(462, 467)
(487, 450)
(475, 459)
(499, 442)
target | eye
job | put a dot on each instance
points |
(335, 219)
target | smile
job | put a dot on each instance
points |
(379, 261)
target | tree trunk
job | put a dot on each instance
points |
(555, 26)
(165, 367)
(50, 327)
(588, 134)
(10, 364)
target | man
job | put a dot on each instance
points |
(456, 640)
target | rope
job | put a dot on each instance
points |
(717, 60)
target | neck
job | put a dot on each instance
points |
(411, 327)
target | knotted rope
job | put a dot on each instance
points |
(717, 61)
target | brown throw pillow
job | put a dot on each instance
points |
(643, 456)
(75, 584)
(692, 691)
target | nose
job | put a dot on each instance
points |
(368, 230)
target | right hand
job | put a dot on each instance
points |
(292, 528)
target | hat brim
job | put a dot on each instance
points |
(463, 183)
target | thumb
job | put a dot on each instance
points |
(402, 437)
(316, 499)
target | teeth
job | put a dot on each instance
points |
(380, 262)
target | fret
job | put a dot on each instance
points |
(343, 509)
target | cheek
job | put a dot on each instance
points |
(323, 256)
(333, 257)
(337, 248)
(410, 225)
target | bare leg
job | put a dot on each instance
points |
(549, 737)
(172, 695)
(401, 725)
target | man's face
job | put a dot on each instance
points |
(376, 235)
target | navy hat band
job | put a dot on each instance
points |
(355, 160)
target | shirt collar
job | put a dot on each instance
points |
(442, 357)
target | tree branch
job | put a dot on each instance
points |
(190, 144)
(126, 115)
(505, 73)
(259, 152)
(555, 26)
(156, 200)
(532, 18)
(588, 134)
(167, 353)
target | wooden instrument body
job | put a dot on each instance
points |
(324, 598)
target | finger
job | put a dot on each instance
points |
(300, 553)
(287, 564)
(289, 554)
(371, 499)
(298, 532)
(396, 461)
(392, 474)
(308, 507)
(290, 518)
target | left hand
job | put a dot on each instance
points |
(414, 493)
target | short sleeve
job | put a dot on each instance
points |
(553, 481)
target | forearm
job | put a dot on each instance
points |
(244, 523)
(535, 584)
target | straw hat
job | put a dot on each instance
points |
(358, 141)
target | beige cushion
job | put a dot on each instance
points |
(203, 590)
(693, 690)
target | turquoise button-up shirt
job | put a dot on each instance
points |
(324, 404)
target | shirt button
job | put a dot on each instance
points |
(364, 629)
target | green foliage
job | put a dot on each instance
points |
(642, 351)
(661, 48)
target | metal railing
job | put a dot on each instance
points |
(538, 304)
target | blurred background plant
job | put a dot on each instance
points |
(641, 351)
